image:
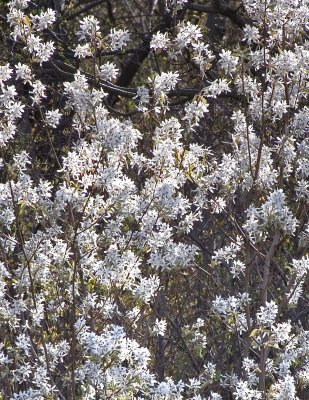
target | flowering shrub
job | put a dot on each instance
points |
(154, 200)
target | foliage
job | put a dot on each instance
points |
(154, 197)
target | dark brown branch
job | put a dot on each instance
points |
(114, 90)
(131, 68)
(88, 7)
(227, 11)
(201, 8)
(220, 7)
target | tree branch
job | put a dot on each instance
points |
(220, 7)
(201, 8)
(227, 11)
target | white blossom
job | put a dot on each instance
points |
(165, 82)
(160, 41)
(159, 327)
(89, 28)
(52, 118)
(44, 19)
(268, 313)
(118, 38)
(83, 50)
(23, 72)
(228, 61)
(109, 71)
(251, 34)
(5, 73)
(187, 34)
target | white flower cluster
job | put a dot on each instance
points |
(96, 254)
(165, 82)
(11, 109)
(228, 61)
(52, 118)
(272, 213)
(232, 309)
(109, 71)
(91, 36)
(188, 36)
(160, 41)
(119, 38)
(27, 28)
(267, 314)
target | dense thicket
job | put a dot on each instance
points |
(154, 163)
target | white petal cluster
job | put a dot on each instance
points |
(228, 61)
(52, 118)
(109, 71)
(268, 313)
(272, 213)
(187, 34)
(165, 82)
(160, 41)
(138, 215)
(119, 39)
(89, 28)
